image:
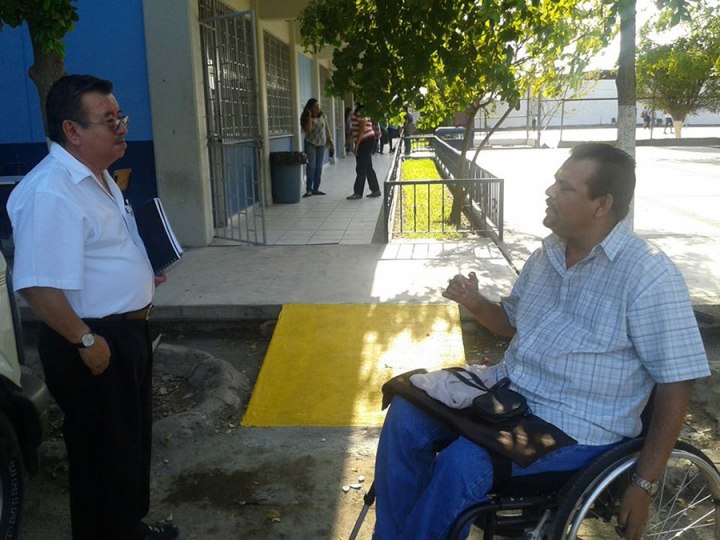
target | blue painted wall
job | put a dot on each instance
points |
(305, 88)
(108, 41)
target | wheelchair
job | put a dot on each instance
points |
(584, 504)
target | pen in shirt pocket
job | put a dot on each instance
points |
(128, 207)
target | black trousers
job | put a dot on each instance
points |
(107, 427)
(364, 168)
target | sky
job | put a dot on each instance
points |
(607, 58)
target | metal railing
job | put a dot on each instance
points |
(408, 204)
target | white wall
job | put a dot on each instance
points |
(595, 105)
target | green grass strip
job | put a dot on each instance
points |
(417, 199)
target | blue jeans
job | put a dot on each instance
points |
(425, 474)
(316, 160)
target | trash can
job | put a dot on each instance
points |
(286, 175)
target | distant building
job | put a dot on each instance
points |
(594, 106)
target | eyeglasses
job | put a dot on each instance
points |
(113, 124)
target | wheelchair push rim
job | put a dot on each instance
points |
(685, 504)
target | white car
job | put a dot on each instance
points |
(24, 402)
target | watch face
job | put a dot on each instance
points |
(88, 340)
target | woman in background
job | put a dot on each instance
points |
(315, 127)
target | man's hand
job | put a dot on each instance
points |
(97, 357)
(634, 511)
(670, 404)
(160, 278)
(464, 290)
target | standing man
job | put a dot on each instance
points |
(365, 142)
(668, 124)
(408, 131)
(82, 268)
(598, 318)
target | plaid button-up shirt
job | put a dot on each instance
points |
(593, 340)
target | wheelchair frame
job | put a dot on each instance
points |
(591, 497)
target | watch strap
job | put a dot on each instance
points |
(645, 485)
(81, 344)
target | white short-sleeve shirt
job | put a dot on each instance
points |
(70, 234)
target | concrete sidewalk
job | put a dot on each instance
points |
(253, 282)
(321, 250)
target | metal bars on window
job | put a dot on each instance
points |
(232, 117)
(277, 80)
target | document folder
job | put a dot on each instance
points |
(162, 247)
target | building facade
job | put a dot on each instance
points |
(212, 88)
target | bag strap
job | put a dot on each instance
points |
(474, 380)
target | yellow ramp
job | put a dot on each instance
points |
(326, 363)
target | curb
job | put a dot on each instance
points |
(221, 386)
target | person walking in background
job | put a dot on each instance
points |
(364, 137)
(378, 136)
(408, 131)
(645, 115)
(349, 145)
(315, 127)
(384, 137)
(392, 134)
(668, 124)
(83, 269)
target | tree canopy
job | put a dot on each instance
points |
(48, 22)
(441, 57)
(678, 67)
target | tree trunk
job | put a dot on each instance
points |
(678, 125)
(626, 86)
(457, 191)
(47, 68)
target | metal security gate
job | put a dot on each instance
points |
(231, 106)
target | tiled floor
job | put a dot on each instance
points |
(329, 218)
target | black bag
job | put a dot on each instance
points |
(498, 403)
(523, 438)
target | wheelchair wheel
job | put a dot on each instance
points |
(685, 504)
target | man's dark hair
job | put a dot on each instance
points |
(64, 102)
(614, 174)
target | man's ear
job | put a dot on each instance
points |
(604, 206)
(70, 129)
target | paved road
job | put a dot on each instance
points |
(677, 197)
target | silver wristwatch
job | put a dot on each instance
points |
(87, 340)
(639, 481)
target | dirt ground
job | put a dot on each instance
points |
(216, 480)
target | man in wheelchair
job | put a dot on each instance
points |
(598, 318)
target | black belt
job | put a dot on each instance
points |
(137, 315)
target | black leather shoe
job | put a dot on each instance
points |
(318, 192)
(307, 194)
(374, 194)
(159, 531)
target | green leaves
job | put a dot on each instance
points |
(48, 21)
(462, 51)
(678, 67)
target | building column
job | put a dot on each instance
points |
(175, 80)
